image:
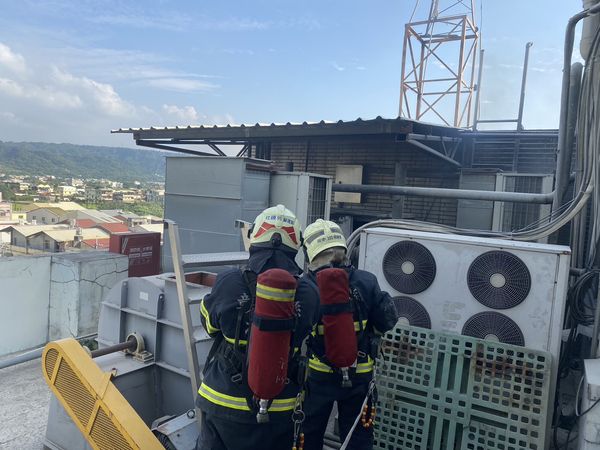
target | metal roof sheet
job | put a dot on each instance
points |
(378, 125)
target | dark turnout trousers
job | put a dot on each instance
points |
(318, 406)
(217, 433)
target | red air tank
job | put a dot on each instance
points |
(270, 336)
(341, 346)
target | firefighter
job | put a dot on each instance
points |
(373, 312)
(228, 407)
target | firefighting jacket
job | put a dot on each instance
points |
(224, 390)
(374, 313)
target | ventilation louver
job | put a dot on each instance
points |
(411, 312)
(499, 280)
(494, 326)
(409, 267)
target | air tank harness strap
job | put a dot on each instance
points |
(266, 324)
(232, 355)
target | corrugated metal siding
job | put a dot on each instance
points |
(378, 158)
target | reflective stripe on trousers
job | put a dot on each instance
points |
(239, 403)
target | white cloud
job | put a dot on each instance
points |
(187, 114)
(337, 67)
(101, 95)
(172, 22)
(56, 103)
(181, 84)
(234, 24)
(7, 115)
(11, 60)
(45, 96)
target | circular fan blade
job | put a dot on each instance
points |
(409, 267)
(411, 312)
(494, 326)
(499, 280)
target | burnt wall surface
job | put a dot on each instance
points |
(378, 158)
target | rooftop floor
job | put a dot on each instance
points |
(24, 399)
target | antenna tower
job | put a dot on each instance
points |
(438, 64)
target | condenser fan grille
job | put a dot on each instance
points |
(409, 267)
(494, 326)
(499, 280)
(411, 312)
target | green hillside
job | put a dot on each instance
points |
(82, 161)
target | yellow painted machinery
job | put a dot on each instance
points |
(102, 414)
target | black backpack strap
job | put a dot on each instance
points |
(213, 351)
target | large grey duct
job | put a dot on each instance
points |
(590, 26)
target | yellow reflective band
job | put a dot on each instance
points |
(239, 403)
(278, 295)
(210, 328)
(264, 287)
(315, 364)
(223, 400)
(319, 366)
(283, 404)
(232, 341)
(321, 330)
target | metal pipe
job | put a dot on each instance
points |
(129, 344)
(493, 196)
(594, 343)
(497, 121)
(24, 357)
(31, 355)
(577, 233)
(523, 85)
(478, 94)
(431, 137)
(432, 151)
(564, 154)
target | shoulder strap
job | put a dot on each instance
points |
(250, 280)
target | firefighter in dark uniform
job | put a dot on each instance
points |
(374, 314)
(228, 409)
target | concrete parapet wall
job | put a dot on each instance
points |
(78, 282)
(50, 297)
(24, 299)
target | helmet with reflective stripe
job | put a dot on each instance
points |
(276, 226)
(322, 235)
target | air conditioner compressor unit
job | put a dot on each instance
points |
(509, 291)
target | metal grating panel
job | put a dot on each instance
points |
(100, 412)
(520, 215)
(441, 391)
(106, 435)
(74, 393)
(50, 362)
(317, 197)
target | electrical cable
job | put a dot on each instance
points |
(577, 413)
(589, 145)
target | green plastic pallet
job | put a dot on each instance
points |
(440, 391)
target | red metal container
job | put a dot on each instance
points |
(143, 250)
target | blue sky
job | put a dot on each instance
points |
(72, 70)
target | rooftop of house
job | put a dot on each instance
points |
(113, 227)
(149, 227)
(69, 234)
(53, 209)
(29, 230)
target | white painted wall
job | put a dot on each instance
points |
(24, 299)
